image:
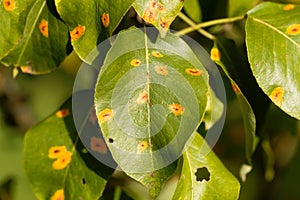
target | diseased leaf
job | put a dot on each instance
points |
(31, 37)
(273, 45)
(159, 13)
(193, 10)
(91, 21)
(149, 99)
(228, 65)
(204, 176)
(64, 166)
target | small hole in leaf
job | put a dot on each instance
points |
(83, 181)
(202, 174)
(110, 140)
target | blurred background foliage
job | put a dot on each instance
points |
(28, 99)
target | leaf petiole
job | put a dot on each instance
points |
(206, 24)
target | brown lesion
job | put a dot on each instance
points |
(98, 145)
(194, 72)
(43, 26)
(277, 95)
(293, 29)
(77, 32)
(9, 5)
(63, 113)
(105, 115)
(161, 70)
(105, 19)
(176, 109)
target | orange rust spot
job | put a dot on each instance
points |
(277, 95)
(77, 32)
(135, 62)
(142, 146)
(9, 5)
(57, 151)
(27, 69)
(157, 54)
(215, 54)
(63, 113)
(98, 145)
(289, 7)
(293, 29)
(43, 26)
(93, 116)
(177, 109)
(149, 16)
(194, 72)
(105, 115)
(58, 195)
(63, 161)
(152, 5)
(235, 88)
(105, 19)
(163, 23)
(162, 70)
(143, 98)
(160, 7)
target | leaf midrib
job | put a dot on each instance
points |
(148, 91)
(276, 30)
(31, 30)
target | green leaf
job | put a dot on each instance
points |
(159, 13)
(228, 65)
(91, 21)
(32, 37)
(273, 45)
(147, 98)
(240, 7)
(193, 10)
(83, 177)
(204, 176)
(214, 110)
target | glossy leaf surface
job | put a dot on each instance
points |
(273, 45)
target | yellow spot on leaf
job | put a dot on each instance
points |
(143, 97)
(77, 32)
(63, 161)
(289, 7)
(235, 88)
(277, 95)
(215, 54)
(9, 5)
(163, 23)
(43, 26)
(105, 19)
(177, 109)
(293, 29)
(142, 146)
(194, 72)
(160, 7)
(135, 62)
(149, 16)
(162, 70)
(105, 115)
(58, 195)
(27, 69)
(57, 151)
(63, 113)
(157, 54)
(98, 145)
